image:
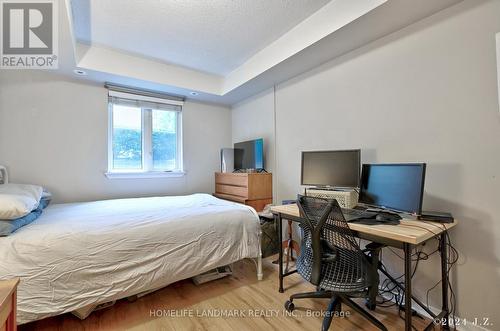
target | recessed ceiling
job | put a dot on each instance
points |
(214, 36)
(223, 50)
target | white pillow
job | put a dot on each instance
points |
(17, 200)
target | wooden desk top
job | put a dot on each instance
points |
(7, 287)
(409, 231)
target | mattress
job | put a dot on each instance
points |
(79, 254)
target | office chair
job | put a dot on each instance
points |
(331, 259)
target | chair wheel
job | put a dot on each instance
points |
(370, 305)
(289, 306)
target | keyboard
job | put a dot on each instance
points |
(354, 214)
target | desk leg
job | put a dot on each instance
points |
(444, 279)
(407, 252)
(279, 219)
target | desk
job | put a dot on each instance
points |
(406, 236)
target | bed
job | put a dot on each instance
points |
(80, 254)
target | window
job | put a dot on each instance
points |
(145, 136)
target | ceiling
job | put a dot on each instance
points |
(221, 51)
(214, 36)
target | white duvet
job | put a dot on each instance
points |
(85, 253)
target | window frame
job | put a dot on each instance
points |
(147, 170)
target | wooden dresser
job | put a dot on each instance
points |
(8, 301)
(252, 189)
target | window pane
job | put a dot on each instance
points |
(164, 139)
(127, 137)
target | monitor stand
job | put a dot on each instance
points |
(332, 188)
(381, 210)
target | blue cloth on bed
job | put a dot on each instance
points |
(44, 202)
(9, 226)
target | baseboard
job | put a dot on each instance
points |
(471, 327)
(462, 327)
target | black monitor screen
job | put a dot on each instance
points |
(249, 155)
(394, 186)
(331, 168)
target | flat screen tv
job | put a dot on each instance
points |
(331, 168)
(249, 155)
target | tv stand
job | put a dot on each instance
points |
(252, 189)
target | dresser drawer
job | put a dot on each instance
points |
(230, 197)
(232, 190)
(252, 189)
(231, 179)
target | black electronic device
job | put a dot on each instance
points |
(338, 169)
(249, 155)
(436, 216)
(398, 187)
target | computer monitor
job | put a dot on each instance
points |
(331, 168)
(399, 187)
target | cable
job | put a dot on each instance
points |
(392, 295)
(421, 227)
(421, 255)
(388, 287)
(451, 260)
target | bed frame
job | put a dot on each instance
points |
(258, 260)
(86, 311)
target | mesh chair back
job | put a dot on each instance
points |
(330, 255)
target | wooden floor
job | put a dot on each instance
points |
(184, 306)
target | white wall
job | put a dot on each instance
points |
(426, 93)
(254, 118)
(53, 132)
